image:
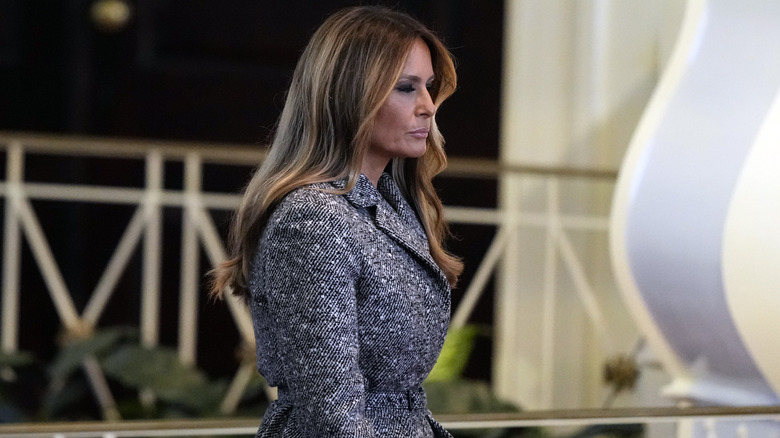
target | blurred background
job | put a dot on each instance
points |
(171, 98)
(202, 75)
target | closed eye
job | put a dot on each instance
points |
(406, 88)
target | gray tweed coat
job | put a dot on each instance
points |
(350, 313)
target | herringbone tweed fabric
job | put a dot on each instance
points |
(350, 313)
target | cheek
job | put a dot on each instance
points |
(386, 125)
(391, 114)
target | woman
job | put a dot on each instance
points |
(343, 265)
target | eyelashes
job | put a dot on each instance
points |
(409, 88)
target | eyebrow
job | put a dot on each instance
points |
(415, 78)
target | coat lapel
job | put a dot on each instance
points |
(399, 223)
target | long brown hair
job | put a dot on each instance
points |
(343, 77)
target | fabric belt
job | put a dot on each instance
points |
(411, 399)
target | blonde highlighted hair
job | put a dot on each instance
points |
(342, 78)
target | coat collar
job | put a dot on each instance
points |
(393, 215)
(364, 194)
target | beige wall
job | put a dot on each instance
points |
(577, 76)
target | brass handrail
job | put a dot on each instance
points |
(244, 153)
(230, 426)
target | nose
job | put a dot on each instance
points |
(425, 106)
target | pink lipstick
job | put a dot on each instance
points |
(421, 133)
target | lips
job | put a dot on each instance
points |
(421, 133)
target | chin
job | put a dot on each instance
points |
(416, 152)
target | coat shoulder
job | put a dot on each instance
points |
(316, 202)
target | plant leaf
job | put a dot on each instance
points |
(16, 359)
(71, 356)
(161, 371)
(454, 354)
(463, 397)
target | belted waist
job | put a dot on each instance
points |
(411, 399)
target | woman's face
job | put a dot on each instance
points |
(404, 119)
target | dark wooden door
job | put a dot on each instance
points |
(207, 70)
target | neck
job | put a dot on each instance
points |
(373, 169)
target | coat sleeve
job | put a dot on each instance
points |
(310, 271)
